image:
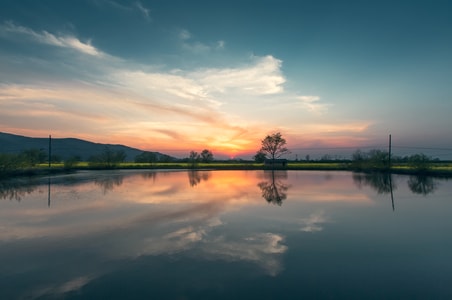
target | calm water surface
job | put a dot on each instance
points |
(226, 235)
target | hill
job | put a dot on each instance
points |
(63, 147)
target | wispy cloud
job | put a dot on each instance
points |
(262, 77)
(145, 11)
(313, 104)
(129, 7)
(44, 37)
(197, 47)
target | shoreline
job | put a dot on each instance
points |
(445, 172)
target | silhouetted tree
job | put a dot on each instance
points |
(259, 157)
(374, 159)
(206, 156)
(193, 159)
(71, 162)
(420, 162)
(32, 157)
(146, 157)
(108, 158)
(274, 146)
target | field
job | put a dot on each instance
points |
(434, 167)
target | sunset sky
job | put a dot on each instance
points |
(176, 76)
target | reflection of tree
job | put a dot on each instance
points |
(381, 182)
(150, 175)
(195, 177)
(15, 190)
(108, 183)
(273, 190)
(422, 185)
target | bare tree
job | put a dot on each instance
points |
(274, 146)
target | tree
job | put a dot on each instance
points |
(146, 157)
(32, 157)
(193, 159)
(274, 146)
(108, 158)
(206, 156)
(259, 157)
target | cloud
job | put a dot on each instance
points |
(263, 77)
(145, 11)
(312, 103)
(208, 106)
(197, 47)
(47, 38)
(220, 44)
(184, 34)
(135, 6)
(263, 249)
(313, 223)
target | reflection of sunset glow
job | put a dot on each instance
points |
(214, 193)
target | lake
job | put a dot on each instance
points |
(226, 235)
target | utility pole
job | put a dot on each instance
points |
(50, 150)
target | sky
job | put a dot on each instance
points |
(176, 76)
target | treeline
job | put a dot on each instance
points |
(373, 160)
(381, 160)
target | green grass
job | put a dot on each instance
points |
(435, 169)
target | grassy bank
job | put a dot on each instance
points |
(436, 169)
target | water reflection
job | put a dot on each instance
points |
(16, 190)
(381, 182)
(107, 183)
(274, 190)
(150, 175)
(422, 185)
(195, 177)
(154, 231)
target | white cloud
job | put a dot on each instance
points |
(264, 77)
(45, 37)
(312, 103)
(263, 249)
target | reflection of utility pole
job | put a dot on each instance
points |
(48, 193)
(389, 155)
(392, 195)
(50, 150)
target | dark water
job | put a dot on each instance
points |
(226, 235)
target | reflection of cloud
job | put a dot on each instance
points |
(313, 223)
(261, 248)
(57, 290)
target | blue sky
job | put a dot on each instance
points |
(175, 76)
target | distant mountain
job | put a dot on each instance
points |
(63, 147)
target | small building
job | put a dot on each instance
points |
(275, 163)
